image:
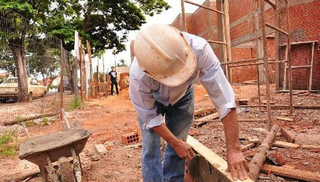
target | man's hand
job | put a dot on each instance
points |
(183, 150)
(237, 165)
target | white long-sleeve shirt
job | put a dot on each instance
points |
(144, 90)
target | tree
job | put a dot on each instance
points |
(22, 20)
(104, 23)
(122, 63)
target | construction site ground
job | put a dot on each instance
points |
(109, 118)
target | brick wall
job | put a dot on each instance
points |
(304, 26)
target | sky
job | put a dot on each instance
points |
(166, 17)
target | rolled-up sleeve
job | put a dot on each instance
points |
(215, 82)
(143, 101)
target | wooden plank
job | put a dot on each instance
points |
(284, 119)
(287, 135)
(311, 67)
(285, 144)
(208, 118)
(271, 4)
(276, 28)
(242, 61)
(289, 58)
(291, 173)
(311, 147)
(205, 7)
(302, 66)
(246, 147)
(298, 43)
(216, 42)
(254, 140)
(218, 163)
(204, 111)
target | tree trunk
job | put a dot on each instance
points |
(20, 63)
(69, 72)
(75, 78)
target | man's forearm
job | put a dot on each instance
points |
(166, 134)
(231, 130)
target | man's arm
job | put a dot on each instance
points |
(237, 164)
(182, 149)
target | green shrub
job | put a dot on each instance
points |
(8, 143)
(76, 103)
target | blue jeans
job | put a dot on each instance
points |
(178, 120)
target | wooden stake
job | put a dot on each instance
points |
(259, 158)
(81, 68)
(277, 39)
(61, 79)
(184, 21)
(311, 68)
(266, 65)
(289, 58)
(227, 35)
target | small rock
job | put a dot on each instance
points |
(306, 163)
(129, 155)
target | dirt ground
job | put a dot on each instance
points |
(109, 118)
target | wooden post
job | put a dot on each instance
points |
(258, 51)
(277, 39)
(285, 76)
(311, 68)
(227, 36)
(61, 79)
(81, 68)
(184, 22)
(91, 70)
(289, 57)
(265, 59)
(85, 75)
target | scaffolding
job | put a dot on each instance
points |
(261, 60)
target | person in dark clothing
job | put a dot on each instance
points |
(113, 78)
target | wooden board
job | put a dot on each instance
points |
(292, 173)
(285, 144)
(287, 135)
(219, 165)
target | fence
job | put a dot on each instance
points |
(27, 50)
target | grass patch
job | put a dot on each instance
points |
(45, 121)
(76, 103)
(8, 143)
(19, 119)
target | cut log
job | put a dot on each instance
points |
(287, 135)
(259, 158)
(285, 144)
(291, 173)
(12, 122)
